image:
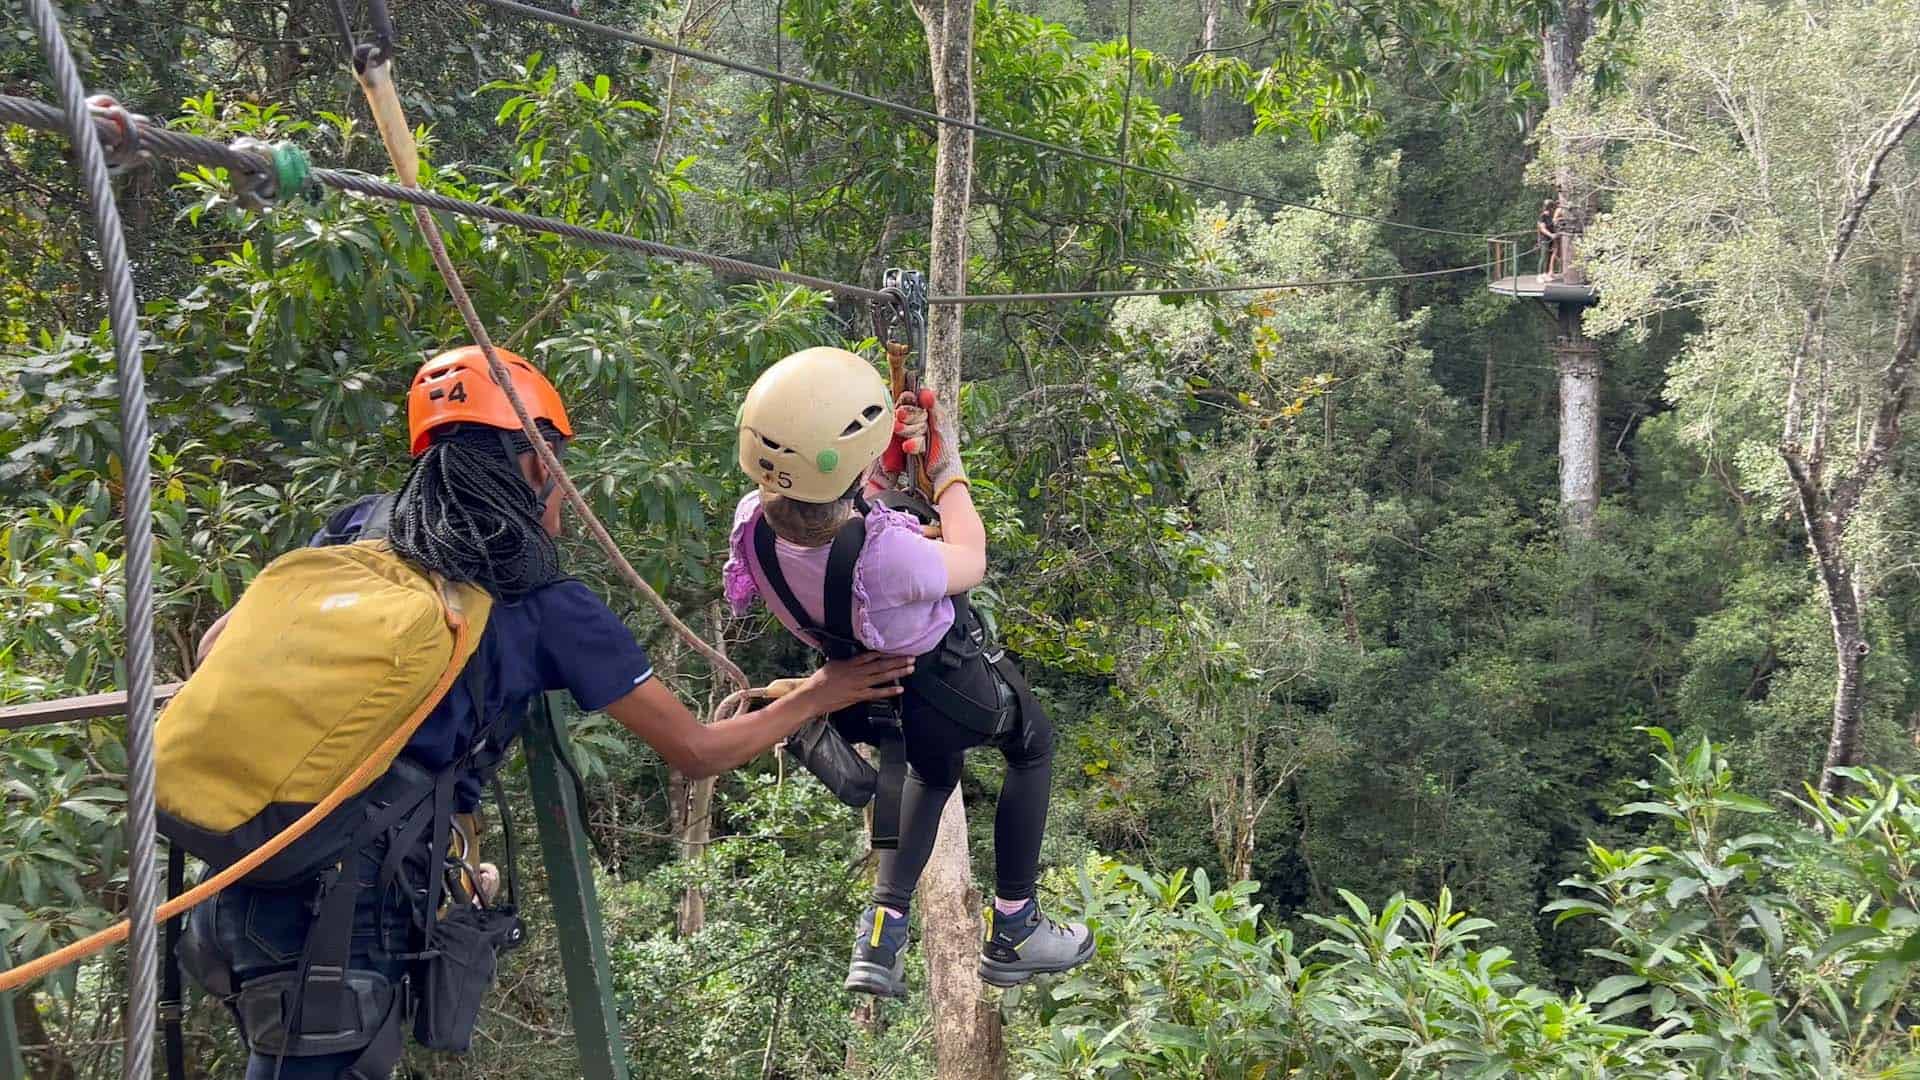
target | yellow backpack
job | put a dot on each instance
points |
(330, 661)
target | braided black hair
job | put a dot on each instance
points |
(467, 514)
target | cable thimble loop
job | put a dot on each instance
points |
(126, 152)
(282, 173)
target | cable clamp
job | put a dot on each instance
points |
(125, 152)
(282, 173)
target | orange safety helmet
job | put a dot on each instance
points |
(456, 388)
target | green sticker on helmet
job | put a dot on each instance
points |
(828, 460)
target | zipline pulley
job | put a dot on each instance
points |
(900, 325)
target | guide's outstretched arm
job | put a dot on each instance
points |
(652, 712)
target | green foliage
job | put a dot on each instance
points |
(1780, 952)
(1286, 569)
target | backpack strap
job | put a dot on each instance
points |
(172, 995)
(365, 519)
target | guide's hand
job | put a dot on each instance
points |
(840, 683)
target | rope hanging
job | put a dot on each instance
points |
(374, 71)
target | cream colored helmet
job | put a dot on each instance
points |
(813, 423)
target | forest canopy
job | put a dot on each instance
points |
(1446, 682)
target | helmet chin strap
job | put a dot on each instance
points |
(513, 452)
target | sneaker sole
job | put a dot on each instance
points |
(865, 978)
(1006, 977)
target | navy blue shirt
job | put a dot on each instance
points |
(557, 637)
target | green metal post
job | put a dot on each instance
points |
(12, 1066)
(576, 906)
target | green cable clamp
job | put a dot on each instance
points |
(291, 170)
(286, 175)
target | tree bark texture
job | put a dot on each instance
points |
(1575, 356)
(949, 26)
(967, 1042)
(1826, 509)
(1209, 105)
(694, 835)
(966, 1027)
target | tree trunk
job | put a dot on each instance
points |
(1486, 397)
(1575, 355)
(966, 1028)
(1577, 358)
(694, 836)
(1827, 509)
(967, 1042)
(1209, 104)
(1850, 653)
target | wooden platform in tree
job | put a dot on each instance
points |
(1533, 287)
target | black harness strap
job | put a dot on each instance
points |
(173, 1000)
(327, 954)
(837, 638)
(841, 560)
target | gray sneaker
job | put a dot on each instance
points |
(879, 965)
(1027, 943)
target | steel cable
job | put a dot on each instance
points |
(143, 990)
(688, 52)
(203, 151)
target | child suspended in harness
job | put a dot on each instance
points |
(848, 567)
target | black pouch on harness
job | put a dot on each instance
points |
(356, 1005)
(458, 972)
(823, 751)
(461, 963)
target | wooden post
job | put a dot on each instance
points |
(576, 906)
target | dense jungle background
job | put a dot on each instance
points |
(1381, 753)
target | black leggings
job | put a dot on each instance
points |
(936, 753)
